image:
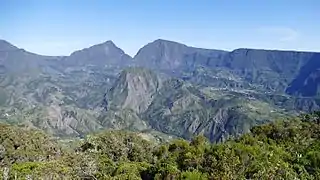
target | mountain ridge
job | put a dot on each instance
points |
(163, 40)
(168, 87)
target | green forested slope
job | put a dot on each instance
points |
(286, 149)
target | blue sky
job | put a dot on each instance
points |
(59, 27)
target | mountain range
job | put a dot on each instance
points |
(167, 89)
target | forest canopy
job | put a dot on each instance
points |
(286, 149)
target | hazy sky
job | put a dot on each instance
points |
(58, 27)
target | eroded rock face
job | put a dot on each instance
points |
(135, 89)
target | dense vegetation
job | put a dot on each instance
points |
(287, 149)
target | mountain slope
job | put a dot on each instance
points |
(15, 60)
(182, 109)
(40, 91)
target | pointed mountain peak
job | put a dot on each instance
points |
(105, 47)
(105, 53)
(5, 45)
(108, 44)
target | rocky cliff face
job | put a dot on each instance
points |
(274, 70)
(307, 81)
(135, 89)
